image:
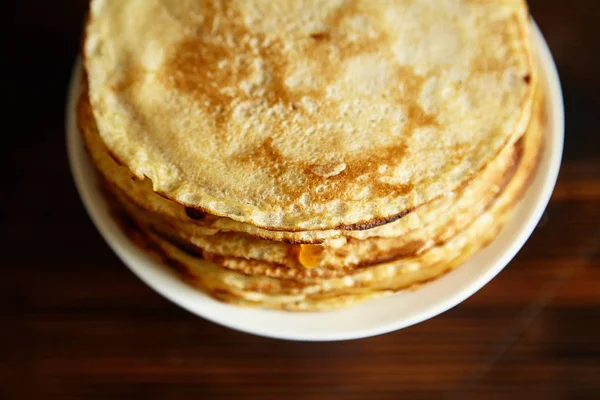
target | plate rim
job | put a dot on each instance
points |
(167, 284)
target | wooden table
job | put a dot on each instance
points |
(78, 324)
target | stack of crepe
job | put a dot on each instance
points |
(308, 155)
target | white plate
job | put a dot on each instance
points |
(371, 318)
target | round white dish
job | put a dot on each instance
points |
(371, 318)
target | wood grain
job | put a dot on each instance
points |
(78, 324)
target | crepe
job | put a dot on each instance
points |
(423, 225)
(239, 284)
(303, 116)
(255, 283)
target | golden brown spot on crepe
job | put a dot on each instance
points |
(214, 65)
(487, 65)
(391, 154)
(265, 151)
(195, 68)
(130, 76)
(320, 35)
(355, 169)
(364, 168)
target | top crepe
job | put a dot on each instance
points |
(308, 115)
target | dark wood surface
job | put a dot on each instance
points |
(77, 324)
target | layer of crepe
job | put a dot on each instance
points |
(308, 115)
(425, 223)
